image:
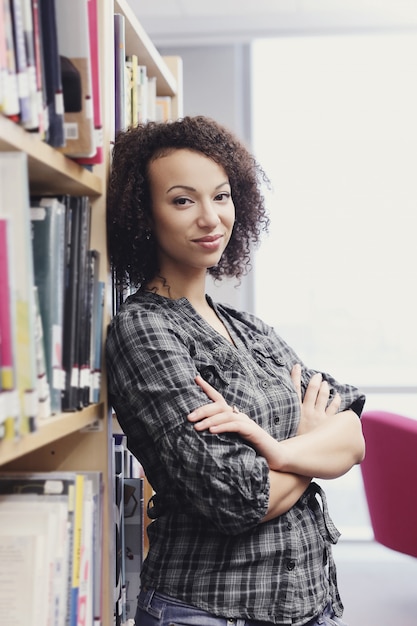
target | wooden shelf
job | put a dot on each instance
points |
(50, 430)
(138, 42)
(49, 171)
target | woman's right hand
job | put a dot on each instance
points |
(315, 406)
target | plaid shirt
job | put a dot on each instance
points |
(207, 545)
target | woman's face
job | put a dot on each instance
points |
(192, 211)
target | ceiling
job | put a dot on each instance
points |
(200, 22)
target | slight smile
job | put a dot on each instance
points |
(209, 242)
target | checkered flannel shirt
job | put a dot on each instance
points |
(207, 545)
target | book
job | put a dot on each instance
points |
(75, 60)
(77, 545)
(48, 244)
(50, 495)
(82, 356)
(33, 122)
(97, 340)
(40, 72)
(151, 102)
(52, 73)
(14, 205)
(97, 157)
(142, 94)
(8, 419)
(21, 62)
(25, 564)
(10, 105)
(44, 396)
(6, 326)
(97, 487)
(86, 339)
(131, 104)
(119, 72)
(3, 58)
(163, 109)
(71, 279)
(85, 586)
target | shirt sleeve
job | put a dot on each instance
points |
(151, 376)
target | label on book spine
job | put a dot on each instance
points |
(75, 377)
(59, 103)
(58, 378)
(30, 400)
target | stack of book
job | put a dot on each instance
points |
(136, 92)
(50, 74)
(51, 303)
(51, 543)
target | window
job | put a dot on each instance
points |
(335, 128)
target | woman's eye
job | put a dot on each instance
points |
(181, 201)
(224, 195)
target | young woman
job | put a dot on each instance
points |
(229, 425)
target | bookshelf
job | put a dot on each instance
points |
(81, 440)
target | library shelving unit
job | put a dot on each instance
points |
(81, 440)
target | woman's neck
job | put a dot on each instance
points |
(195, 293)
(192, 289)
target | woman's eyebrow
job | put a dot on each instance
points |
(188, 188)
(181, 187)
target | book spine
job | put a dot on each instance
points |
(48, 236)
(21, 62)
(77, 543)
(52, 76)
(44, 395)
(97, 157)
(75, 61)
(72, 268)
(40, 73)
(33, 123)
(11, 106)
(119, 72)
(14, 205)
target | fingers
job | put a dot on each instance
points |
(318, 393)
(225, 421)
(217, 405)
(315, 386)
(334, 405)
(296, 379)
(208, 389)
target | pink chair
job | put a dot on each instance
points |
(389, 473)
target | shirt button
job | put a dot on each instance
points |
(289, 525)
(290, 565)
(231, 621)
(276, 420)
(265, 384)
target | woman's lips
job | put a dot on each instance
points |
(209, 242)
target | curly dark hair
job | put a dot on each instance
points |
(132, 251)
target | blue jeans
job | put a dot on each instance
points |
(158, 609)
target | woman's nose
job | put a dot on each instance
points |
(208, 215)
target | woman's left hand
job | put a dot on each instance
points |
(218, 417)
